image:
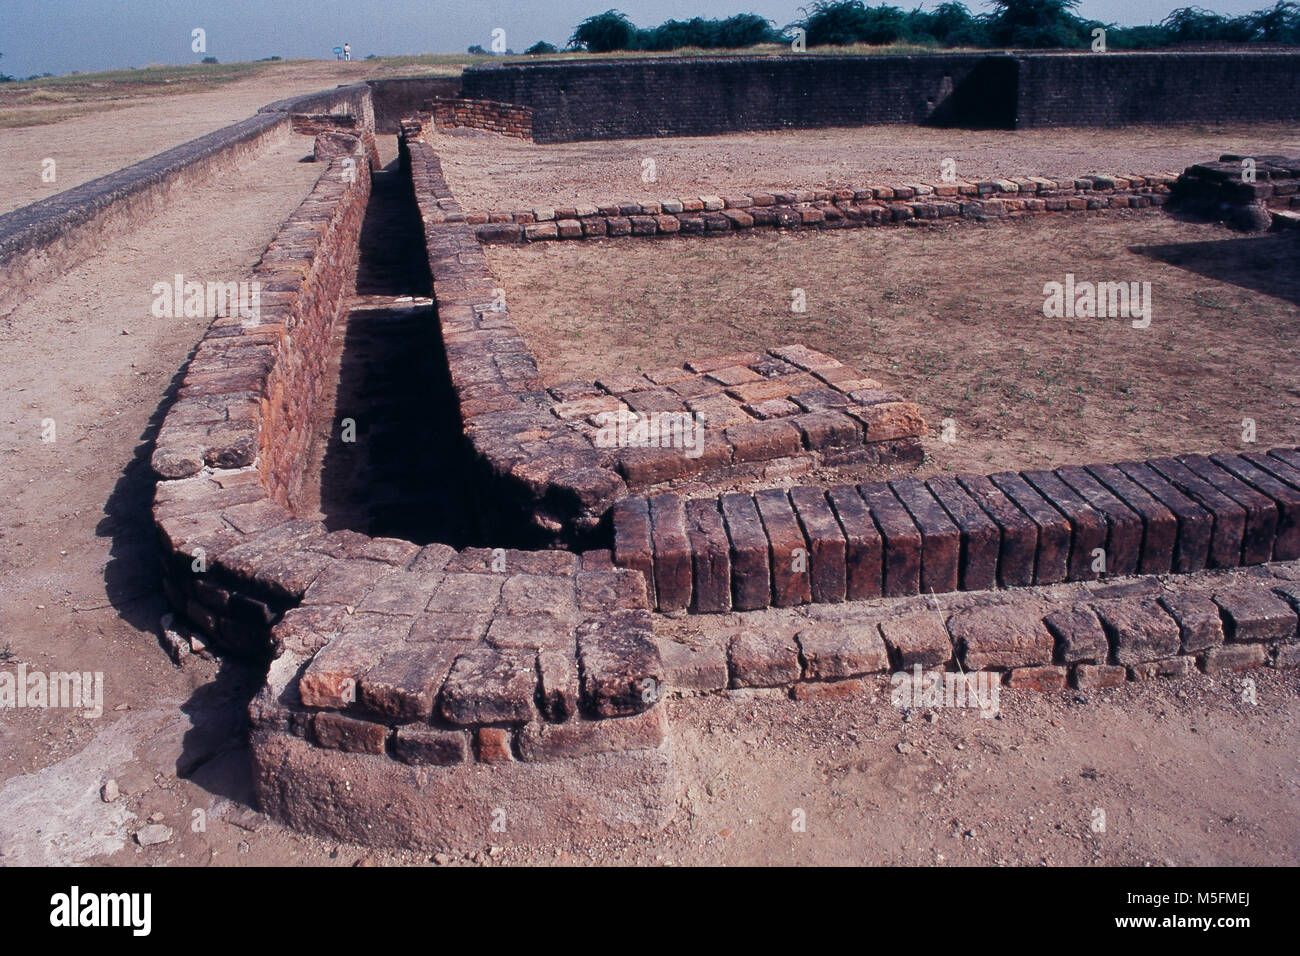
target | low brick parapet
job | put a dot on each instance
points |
(969, 532)
(848, 207)
(1086, 635)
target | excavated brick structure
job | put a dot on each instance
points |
(417, 696)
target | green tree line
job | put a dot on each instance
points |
(1021, 24)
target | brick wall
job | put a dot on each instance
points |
(229, 455)
(969, 532)
(692, 97)
(487, 115)
(826, 209)
(1118, 89)
(702, 96)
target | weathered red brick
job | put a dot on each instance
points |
(918, 638)
(1261, 512)
(710, 557)
(750, 570)
(632, 542)
(1124, 526)
(864, 549)
(1252, 613)
(763, 659)
(825, 543)
(788, 550)
(1195, 524)
(980, 537)
(1286, 544)
(940, 537)
(1139, 630)
(832, 651)
(1000, 637)
(901, 538)
(672, 553)
(1229, 518)
(1052, 557)
(1019, 543)
(1079, 635)
(1159, 525)
(1199, 620)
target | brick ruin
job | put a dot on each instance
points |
(417, 693)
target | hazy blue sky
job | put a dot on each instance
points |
(59, 36)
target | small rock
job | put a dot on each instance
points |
(153, 834)
(109, 791)
(245, 819)
(243, 847)
(904, 747)
(442, 859)
(156, 817)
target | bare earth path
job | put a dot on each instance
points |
(87, 147)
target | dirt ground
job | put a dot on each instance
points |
(952, 318)
(1187, 772)
(125, 130)
(486, 171)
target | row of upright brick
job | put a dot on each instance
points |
(804, 545)
(824, 208)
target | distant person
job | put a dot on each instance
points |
(347, 51)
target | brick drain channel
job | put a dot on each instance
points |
(388, 454)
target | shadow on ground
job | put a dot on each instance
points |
(1269, 263)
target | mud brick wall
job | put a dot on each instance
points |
(827, 209)
(42, 239)
(487, 115)
(1086, 636)
(1119, 89)
(969, 532)
(703, 96)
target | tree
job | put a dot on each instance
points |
(541, 47)
(1036, 24)
(603, 33)
(477, 50)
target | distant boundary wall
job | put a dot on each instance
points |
(608, 99)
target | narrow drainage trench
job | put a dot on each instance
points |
(388, 458)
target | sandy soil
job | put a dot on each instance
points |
(952, 318)
(125, 132)
(496, 172)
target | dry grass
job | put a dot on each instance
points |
(953, 318)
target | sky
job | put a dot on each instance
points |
(59, 36)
